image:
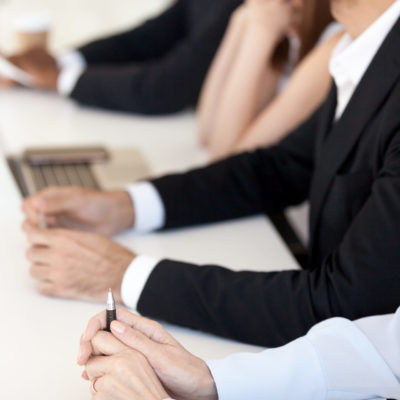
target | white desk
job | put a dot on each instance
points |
(39, 336)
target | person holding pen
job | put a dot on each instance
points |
(336, 359)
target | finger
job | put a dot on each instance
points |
(98, 384)
(40, 272)
(107, 386)
(85, 376)
(34, 217)
(37, 236)
(99, 322)
(152, 329)
(40, 255)
(59, 199)
(45, 237)
(135, 339)
(98, 366)
(31, 214)
(106, 344)
(95, 324)
(53, 200)
(6, 83)
(46, 288)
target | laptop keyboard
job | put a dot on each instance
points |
(63, 175)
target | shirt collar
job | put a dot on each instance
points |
(351, 58)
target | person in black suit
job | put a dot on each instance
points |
(156, 68)
(345, 159)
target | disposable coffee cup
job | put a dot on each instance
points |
(32, 31)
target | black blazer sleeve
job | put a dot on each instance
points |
(168, 80)
(148, 41)
(360, 277)
(265, 181)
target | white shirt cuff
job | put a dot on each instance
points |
(72, 65)
(274, 374)
(335, 360)
(135, 279)
(148, 205)
(353, 367)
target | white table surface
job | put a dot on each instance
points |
(39, 336)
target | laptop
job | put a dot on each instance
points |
(92, 167)
(99, 168)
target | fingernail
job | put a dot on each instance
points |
(118, 327)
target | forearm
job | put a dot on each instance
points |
(216, 78)
(337, 358)
(306, 90)
(240, 99)
(148, 41)
(156, 87)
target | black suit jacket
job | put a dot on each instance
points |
(158, 67)
(350, 172)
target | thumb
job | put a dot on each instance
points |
(56, 200)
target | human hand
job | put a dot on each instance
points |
(183, 375)
(277, 18)
(40, 65)
(6, 83)
(121, 372)
(77, 265)
(83, 209)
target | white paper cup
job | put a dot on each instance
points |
(32, 31)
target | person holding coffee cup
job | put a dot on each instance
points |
(157, 68)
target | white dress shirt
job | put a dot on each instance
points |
(72, 65)
(351, 59)
(349, 62)
(337, 360)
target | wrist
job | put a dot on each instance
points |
(125, 264)
(265, 33)
(123, 207)
(239, 16)
(207, 389)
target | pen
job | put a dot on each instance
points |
(111, 310)
(42, 221)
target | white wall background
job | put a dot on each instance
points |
(76, 21)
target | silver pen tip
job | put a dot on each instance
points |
(110, 300)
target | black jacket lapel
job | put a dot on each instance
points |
(366, 101)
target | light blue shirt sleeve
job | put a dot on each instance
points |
(336, 360)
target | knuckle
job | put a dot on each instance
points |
(108, 384)
(28, 254)
(61, 258)
(119, 364)
(33, 271)
(156, 325)
(46, 290)
(134, 355)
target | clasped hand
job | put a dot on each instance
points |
(140, 360)
(40, 65)
(276, 17)
(74, 263)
